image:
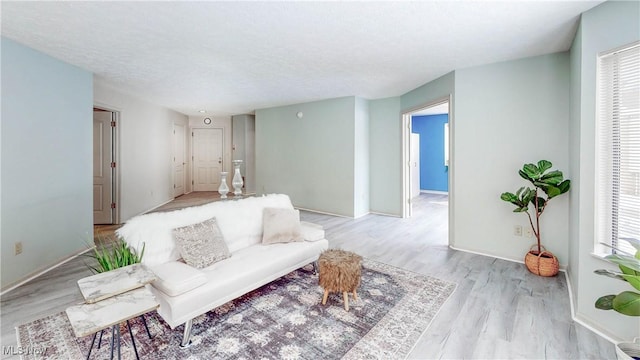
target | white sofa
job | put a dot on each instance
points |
(185, 292)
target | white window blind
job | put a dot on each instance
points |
(618, 147)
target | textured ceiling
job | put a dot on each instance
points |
(235, 57)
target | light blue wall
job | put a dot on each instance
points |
(310, 159)
(46, 160)
(385, 136)
(434, 174)
(605, 27)
(508, 114)
(429, 92)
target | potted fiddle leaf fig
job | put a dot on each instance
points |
(626, 302)
(546, 185)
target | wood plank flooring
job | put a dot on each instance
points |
(498, 310)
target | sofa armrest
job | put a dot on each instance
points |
(311, 231)
(175, 278)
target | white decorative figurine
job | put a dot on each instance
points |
(223, 189)
(237, 178)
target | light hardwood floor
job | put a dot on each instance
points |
(498, 310)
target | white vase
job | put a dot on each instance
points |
(237, 178)
(223, 189)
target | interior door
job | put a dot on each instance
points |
(178, 159)
(102, 170)
(207, 158)
(415, 165)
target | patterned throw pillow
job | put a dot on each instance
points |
(281, 226)
(201, 244)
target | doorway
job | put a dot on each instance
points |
(104, 167)
(179, 160)
(427, 158)
(207, 150)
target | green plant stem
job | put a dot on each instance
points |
(536, 231)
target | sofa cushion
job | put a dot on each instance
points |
(281, 226)
(201, 244)
(311, 231)
(246, 270)
(175, 278)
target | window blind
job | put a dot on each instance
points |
(618, 148)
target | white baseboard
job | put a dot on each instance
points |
(322, 212)
(42, 271)
(434, 192)
(584, 322)
(562, 267)
(384, 214)
(155, 207)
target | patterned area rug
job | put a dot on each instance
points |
(281, 320)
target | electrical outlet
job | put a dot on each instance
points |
(18, 248)
(517, 230)
(528, 233)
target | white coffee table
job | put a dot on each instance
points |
(112, 298)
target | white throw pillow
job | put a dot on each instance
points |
(281, 226)
(201, 244)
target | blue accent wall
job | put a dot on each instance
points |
(434, 175)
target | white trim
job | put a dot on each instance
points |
(117, 115)
(405, 118)
(562, 267)
(573, 309)
(153, 208)
(38, 273)
(434, 192)
(323, 212)
(384, 214)
(580, 321)
(362, 215)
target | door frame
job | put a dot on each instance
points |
(115, 156)
(185, 165)
(406, 156)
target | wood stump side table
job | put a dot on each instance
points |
(340, 271)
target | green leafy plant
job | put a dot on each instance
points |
(626, 302)
(114, 256)
(551, 183)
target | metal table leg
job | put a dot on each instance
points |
(145, 326)
(133, 341)
(92, 341)
(100, 339)
(119, 353)
(113, 339)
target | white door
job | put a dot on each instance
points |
(415, 165)
(102, 171)
(178, 159)
(207, 159)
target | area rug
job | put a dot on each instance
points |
(281, 320)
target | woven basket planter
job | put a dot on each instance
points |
(543, 263)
